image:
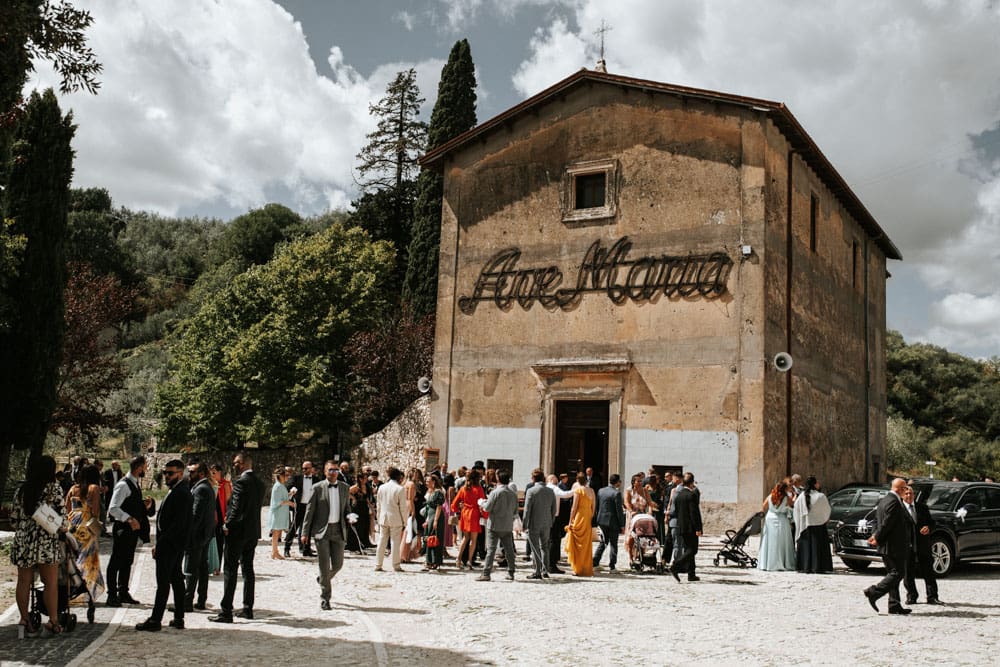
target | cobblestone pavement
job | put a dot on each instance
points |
(731, 616)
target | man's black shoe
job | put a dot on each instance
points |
(510, 576)
(900, 610)
(288, 553)
(674, 574)
(221, 618)
(177, 623)
(127, 599)
(309, 553)
(611, 570)
(324, 605)
(534, 576)
(692, 577)
(187, 608)
(113, 601)
(244, 613)
(911, 600)
(148, 626)
(545, 575)
(200, 606)
(872, 597)
(934, 601)
(556, 570)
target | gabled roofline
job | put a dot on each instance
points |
(779, 114)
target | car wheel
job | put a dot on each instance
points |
(857, 565)
(942, 556)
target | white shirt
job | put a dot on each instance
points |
(334, 491)
(307, 489)
(118, 496)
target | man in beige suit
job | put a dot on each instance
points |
(392, 512)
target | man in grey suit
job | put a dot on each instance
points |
(326, 523)
(502, 507)
(539, 513)
(610, 519)
(202, 534)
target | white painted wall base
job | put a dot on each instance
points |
(469, 444)
(712, 456)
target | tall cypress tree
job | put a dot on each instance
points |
(36, 199)
(454, 113)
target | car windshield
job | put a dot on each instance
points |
(942, 497)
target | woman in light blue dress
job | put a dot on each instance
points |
(277, 518)
(777, 546)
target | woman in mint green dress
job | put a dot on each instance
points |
(777, 546)
(278, 517)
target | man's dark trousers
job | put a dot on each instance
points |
(124, 540)
(609, 538)
(196, 572)
(239, 554)
(895, 572)
(688, 550)
(168, 576)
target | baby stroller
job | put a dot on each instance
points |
(644, 551)
(71, 585)
(732, 545)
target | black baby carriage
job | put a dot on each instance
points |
(732, 546)
(71, 585)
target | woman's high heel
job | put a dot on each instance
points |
(53, 628)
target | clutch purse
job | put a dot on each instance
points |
(47, 518)
(432, 541)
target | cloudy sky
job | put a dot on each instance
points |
(213, 107)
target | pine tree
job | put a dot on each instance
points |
(454, 113)
(36, 199)
(388, 163)
(390, 156)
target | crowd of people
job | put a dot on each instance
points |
(208, 523)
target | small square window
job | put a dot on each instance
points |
(590, 190)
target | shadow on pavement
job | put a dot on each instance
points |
(381, 610)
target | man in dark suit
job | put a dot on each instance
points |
(304, 483)
(242, 529)
(687, 506)
(325, 522)
(610, 519)
(894, 539)
(202, 533)
(920, 557)
(173, 524)
(539, 514)
(111, 477)
(130, 513)
(593, 479)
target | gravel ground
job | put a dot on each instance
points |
(731, 616)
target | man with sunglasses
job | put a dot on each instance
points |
(242, 529)
(173, 530)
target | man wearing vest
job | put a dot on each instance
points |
(130, 514)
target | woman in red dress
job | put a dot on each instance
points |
(467, 501)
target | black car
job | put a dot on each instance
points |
(853, 498)
(967, 518)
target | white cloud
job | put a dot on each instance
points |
(891, 91)
(406, 18)
(217, 102)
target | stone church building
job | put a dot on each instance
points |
(621, 262)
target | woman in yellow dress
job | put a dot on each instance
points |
(579, 532)
(84, 501)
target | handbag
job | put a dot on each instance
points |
(432, 541)
(453, 520)
(47, 518)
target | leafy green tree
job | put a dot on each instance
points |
(252, 237)
(454, 113)
(36, 199)
(262, 360)
(942, 406)
(92, 235)
(11, 250)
